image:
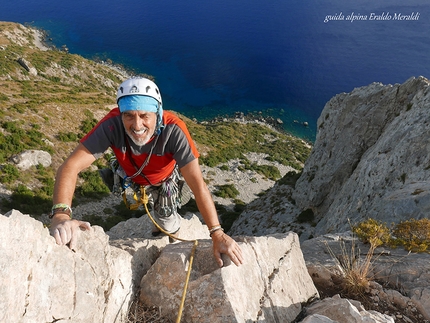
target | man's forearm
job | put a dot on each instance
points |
(64, 187)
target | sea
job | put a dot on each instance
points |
(283, 58)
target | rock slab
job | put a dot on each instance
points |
(270, 287)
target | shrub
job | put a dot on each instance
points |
(373, 232)
(93, 186)
(290, 178)
(226, 191)
(4, 97)
(9, 173)
(414, 235)
(228, 217)
(87, 125)
(27, 201)
(67, 137)
(224, 167)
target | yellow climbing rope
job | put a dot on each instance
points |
(143, 200)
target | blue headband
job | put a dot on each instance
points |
(138, 102)
(142, 103)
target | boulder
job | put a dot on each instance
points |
(270, 286)
(27, 66)
(44, 282)
(30, 158)
(342, 310)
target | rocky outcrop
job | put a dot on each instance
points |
(269, 287)
(371, 157)
(27, 66)
(30, 158)
(44, 282)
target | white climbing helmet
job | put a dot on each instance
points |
(139, 86)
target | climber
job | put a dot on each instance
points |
(153, 149)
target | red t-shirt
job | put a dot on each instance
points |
(174, 146)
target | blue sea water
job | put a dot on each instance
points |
(213, 58)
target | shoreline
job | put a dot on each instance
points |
(41, 42)
(39, 39)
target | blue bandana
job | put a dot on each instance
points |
(141, 103)
(138, 102)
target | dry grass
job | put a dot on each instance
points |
(139, 313)
(356, 272)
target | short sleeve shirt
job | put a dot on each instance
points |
(174, 146)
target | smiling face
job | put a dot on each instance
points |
(139, 125)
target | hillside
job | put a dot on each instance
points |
(51, 98)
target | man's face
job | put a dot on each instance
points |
(139, 125)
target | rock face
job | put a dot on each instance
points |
(269, 287)
(44, 282)
(371, 157)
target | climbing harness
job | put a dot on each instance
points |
(172, 193)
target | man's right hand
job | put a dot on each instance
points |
(66, 231)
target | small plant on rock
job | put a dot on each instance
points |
(413, 234)
(373, 232)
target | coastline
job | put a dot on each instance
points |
(260, 117)
(39, 39)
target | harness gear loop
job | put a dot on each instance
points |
(144, 200)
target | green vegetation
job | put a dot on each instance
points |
(92, 187)
(413, 235)
(33, 202)
(68, 137)
(9, 173)
(17, 137)
(373, 232)
(355, 274)
(219, 139)
(226, 191)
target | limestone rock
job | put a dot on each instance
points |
(371, 157)
(44, 282)
(269, 287)
(30, 158)
(345, 311)
(27, 66)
